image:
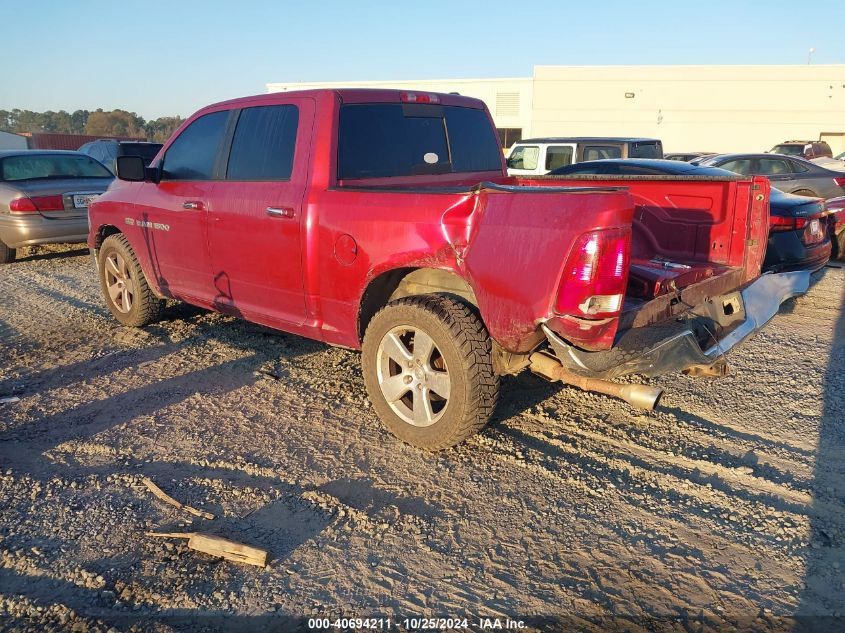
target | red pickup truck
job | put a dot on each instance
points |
(385, 221)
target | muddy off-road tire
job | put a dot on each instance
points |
(125, 289)
(428, 368)
(7, 255)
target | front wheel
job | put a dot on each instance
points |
(125, 288)
(427, 364)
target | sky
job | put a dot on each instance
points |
(161, 58)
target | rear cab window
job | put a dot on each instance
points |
(383, 140)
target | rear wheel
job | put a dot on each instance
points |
(427, 364)
(806, 192)
(7, 254)
(839, 246)
(125, 289)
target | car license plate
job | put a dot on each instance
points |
(813, 233)
(82, 200)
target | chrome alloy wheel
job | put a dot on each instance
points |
(119, 283)
(413, 376)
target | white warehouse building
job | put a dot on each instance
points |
(690, 108)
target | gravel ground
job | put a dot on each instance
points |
(724, 509)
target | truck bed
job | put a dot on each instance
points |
(692, 238)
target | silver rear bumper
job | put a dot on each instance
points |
(654, 351)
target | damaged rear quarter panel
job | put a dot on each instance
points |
(518, 246)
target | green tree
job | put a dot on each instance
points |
(114, 123)
(160, 129)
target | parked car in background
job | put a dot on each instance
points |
(790, 174)
(537, 156)
(384, 220)
(803, 149)
(44, 197)
(836, 226)
(798, 226)
(687, 156)
(107, 150)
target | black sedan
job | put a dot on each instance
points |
(799, 238)
(791, 174)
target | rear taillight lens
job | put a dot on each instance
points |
(779, 223)
(839, 181)
(594, 278)
(22, 205)
(37, 203)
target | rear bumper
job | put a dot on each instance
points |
(677, 346)
(786, 252)
(30, 229)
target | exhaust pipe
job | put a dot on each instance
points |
(640, 396)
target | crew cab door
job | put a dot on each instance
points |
(255, 220)
(172, 213)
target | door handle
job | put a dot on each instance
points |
(192, 204)
(280, 212)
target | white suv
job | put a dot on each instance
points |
(537, 156)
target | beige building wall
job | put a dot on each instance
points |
(509, 100)
(690, 108)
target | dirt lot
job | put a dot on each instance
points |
(724, 509)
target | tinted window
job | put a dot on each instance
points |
(472, 140)
(558, 156)
(772, 167)
(798, 168)
(194, 152)
(739, 166)
(645, 150)
(789, 150)
(598, 152)
(524, 157)
(262, 148)
(51, 166)
(387, 139)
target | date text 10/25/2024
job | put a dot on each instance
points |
(416, 624)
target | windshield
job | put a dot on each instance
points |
(51, 166)
(147, 151)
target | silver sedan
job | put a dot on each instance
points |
(44, 197)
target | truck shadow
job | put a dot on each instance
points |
(822, 602)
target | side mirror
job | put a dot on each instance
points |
(131, 168)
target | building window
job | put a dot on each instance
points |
(509, 135)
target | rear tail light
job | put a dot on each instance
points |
(839, 181)
(595, 275)
(779, 223)
(36, 204)
(419, 97)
